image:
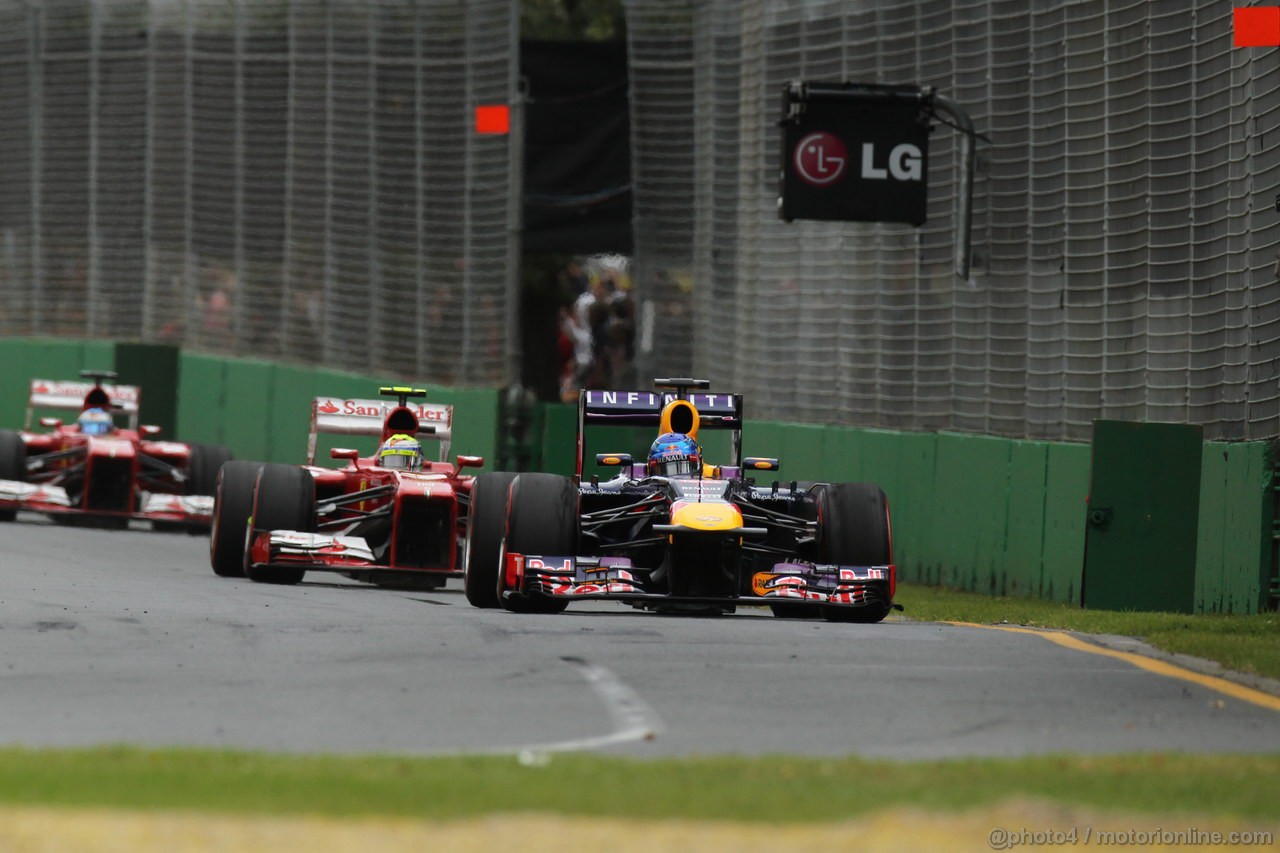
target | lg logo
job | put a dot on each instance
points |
(904, 163)
(820, 160)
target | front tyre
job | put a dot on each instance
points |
(232, 506)
(13, 464)
(541, 519)
(853, 530)
(284, 498)
(486, 522)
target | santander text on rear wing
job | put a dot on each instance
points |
(343, 416)
(54, 394)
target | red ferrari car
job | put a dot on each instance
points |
(95, 470)
(393, 518)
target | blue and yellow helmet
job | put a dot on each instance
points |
(674, 453)
(95, 422)
(400, 451)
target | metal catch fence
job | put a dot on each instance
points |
(1126, 245)
(293, 179)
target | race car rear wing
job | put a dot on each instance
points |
(646, 408)
(339, 416)
(54, 394)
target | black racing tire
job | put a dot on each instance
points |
(205, 462)
(232, 506)
(486, 522)
(13, 464)
(542, 518)
(853, 529)
(284, 498)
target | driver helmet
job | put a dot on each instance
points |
(95, 422)
(674, 453)
(400, 451)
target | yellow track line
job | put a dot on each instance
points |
(1159, 667)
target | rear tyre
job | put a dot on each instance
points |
(232, 505)
(13, 464)
(205, 462)
(284, 498)
(853, 529)
(542, 519)
(486, 521)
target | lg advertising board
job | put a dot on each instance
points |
(854, 160)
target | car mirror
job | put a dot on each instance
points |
(344, 453)
(760, 463)
(614, 460)
(469, 462)
(149, 430)
(51, 423)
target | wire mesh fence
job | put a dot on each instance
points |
(292, 179)
(1125, 238)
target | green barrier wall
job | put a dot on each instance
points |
(1237, 506)
(155, 368)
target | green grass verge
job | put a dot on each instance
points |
(1245, 643)
(764, 789)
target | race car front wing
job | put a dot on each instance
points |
(614, 578)
(54, 500)
(349, 555)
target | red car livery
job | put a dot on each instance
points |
(390, 526)
(110, 477)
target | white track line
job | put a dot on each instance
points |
(633, 718)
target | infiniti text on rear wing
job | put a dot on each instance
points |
(340, 416)
(50, 394)
(644, 409)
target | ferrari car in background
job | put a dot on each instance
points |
(94, 470)
(703, 539)
(388, 519)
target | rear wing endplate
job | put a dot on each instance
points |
(342, 416)
(69, 394)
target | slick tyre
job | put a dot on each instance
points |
(486, 521)
(203, 466)
(284, 498)
(853, 529)
(13, 464)
(232, 505)
(542, 519)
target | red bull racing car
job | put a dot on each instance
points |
(92, 469)
(394, 519)
(674, 533)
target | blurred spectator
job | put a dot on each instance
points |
(596, 338)
(594, 293)
(217, 309)
(583, 361)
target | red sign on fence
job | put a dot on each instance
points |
(1256, 26)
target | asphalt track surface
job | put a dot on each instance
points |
(128, 637)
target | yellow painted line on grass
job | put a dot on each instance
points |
(1159, 667)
